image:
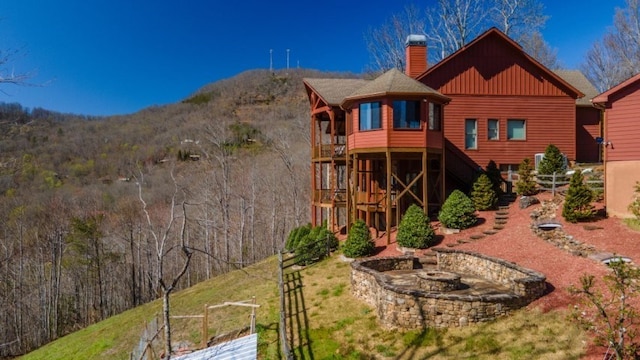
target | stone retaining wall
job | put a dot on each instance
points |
(400, 307)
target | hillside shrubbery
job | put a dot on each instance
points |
(359, 242)
(415, 229)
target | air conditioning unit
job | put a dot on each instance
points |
(538, 159)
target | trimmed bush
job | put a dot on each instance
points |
(458, 211)
(577, 204)
(415, 229)
(359, 242)
(483, 194)
(526, 185)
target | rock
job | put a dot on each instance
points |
(526, 201)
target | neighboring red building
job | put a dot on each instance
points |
(505, 106)
(588, 118)
(621, 106)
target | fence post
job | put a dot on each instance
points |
(553, 184)
(205, 326)
(283, 321)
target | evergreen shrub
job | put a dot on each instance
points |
(526, 185)
(415, 229)
(359, 242)
(577, 204)
(458, 211)
(483, 195)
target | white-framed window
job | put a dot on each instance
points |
(370, 116)
(493, 129)
(516, 129)
(471, 134)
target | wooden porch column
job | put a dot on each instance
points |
(314, 221)
(332, 172)
(425, 173)
(388, 212)
(356, 179)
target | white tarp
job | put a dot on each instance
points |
(244, 348)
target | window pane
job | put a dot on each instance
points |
(516, 130)
(471, 134)
(435, 116)
(370, 116)
(492, 129)
(406, 114)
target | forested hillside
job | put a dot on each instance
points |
(98, 213)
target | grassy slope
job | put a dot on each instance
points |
(332, 324)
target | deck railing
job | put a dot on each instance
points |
(325, 151)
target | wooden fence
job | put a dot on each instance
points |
(558, 180)
(287, 260)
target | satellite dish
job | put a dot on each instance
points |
(599, 140)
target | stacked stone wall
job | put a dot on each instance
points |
(399, 307)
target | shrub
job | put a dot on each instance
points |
(495, 176)
(457, 211)
(295, 236)
(312, 244)
(483, 194)
(525, 184)
(359, 242)
(577, 204)
(553, 161)
(634, 207)
(415, 229)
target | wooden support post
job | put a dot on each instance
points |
(389, 201)
(425, 172)
(253, 316)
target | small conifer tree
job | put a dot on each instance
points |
(495, 176)
(577, 204)
(359, 242)
(553, 161)
(458, 211)
(525, 184)
(415, 229)
(483, 194)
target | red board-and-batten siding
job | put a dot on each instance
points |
(493, 79)
(387, 136)
(622, 124)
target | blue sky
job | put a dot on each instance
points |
(106, 57)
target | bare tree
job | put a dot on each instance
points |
(8, 74)
(386, 43)
(534, 45)
(616, 57)
(164, 246)
(451, 24)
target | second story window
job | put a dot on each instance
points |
(406, 114)
(435, 117)
(370, 116)
(471, 134)
(493, 129)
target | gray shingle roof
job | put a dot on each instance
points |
(333, 91)
(577, 79)
(394, 82)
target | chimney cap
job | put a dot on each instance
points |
(415, 39)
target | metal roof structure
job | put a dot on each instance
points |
(244, 348)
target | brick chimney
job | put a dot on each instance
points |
(416, 55)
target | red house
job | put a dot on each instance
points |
(408, 141)
(621, 106)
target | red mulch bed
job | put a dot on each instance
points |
(517, 243)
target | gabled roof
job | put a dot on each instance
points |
(393, 82)
(580, 82)
(333, 91)
(604, 97)
(571, 90)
